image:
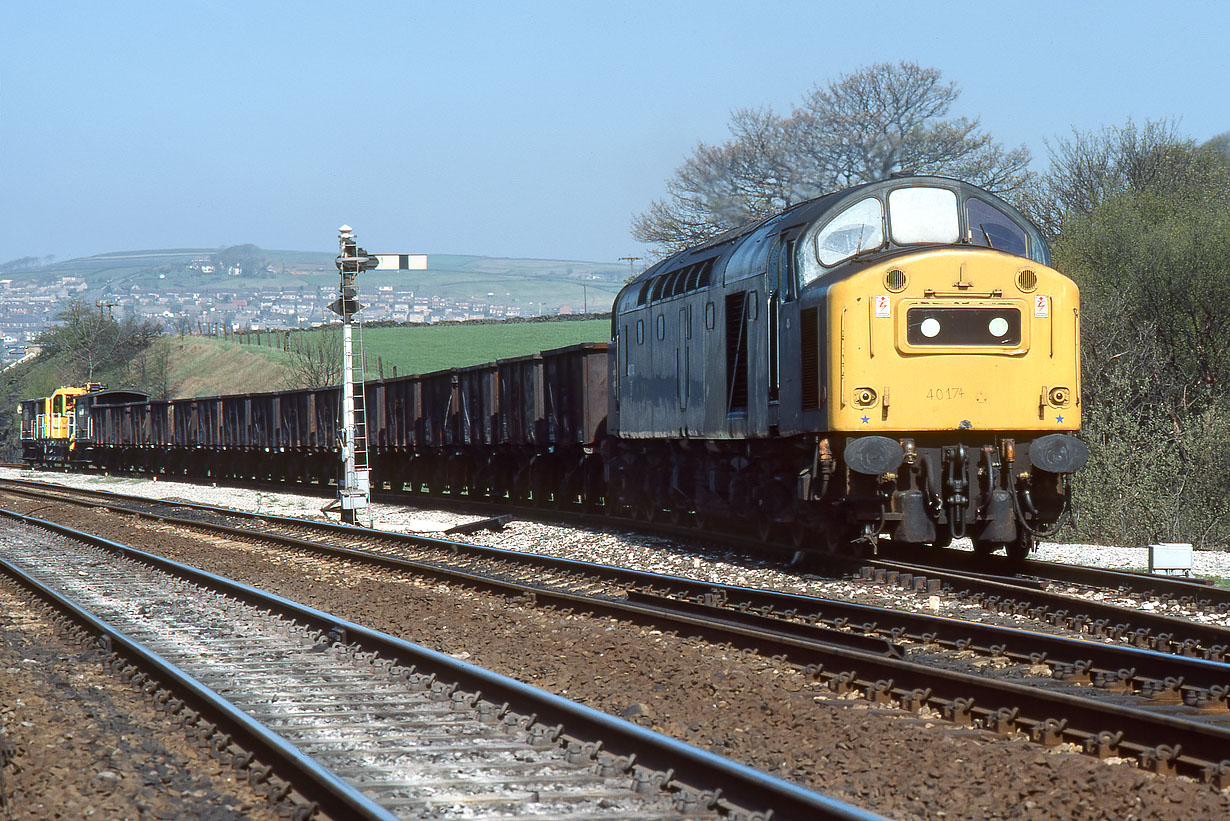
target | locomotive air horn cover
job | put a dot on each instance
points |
(1058, 453)
(873, 455)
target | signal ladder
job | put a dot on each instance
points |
(361, 481)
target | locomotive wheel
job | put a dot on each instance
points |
(836, 538)
(1019, 549)
(984, 548)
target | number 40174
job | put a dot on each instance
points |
(946, 393)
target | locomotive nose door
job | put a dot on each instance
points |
(783, 330)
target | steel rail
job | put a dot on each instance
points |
(1144, 584)
(1107, 657)
(1144, 627)
(314, 782)
(744, 787)
(1027, 646)
(1152, 735)
(770, 639)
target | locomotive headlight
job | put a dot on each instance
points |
(864, 397)
(1059, 396)
(930, 327)
(998, 327)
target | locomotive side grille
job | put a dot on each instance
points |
(736, 352)
(809, 358)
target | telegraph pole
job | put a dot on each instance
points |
(630, 260)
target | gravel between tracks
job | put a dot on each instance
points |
(84, 746)
(749, 708)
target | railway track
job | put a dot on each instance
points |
(1107, 699)
(1191, 593)
(364, 725)
(945, 565)
(1019, 597)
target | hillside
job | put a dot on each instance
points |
(206, 291)
(203, 366)
(114, 275)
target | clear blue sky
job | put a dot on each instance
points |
(529, 129)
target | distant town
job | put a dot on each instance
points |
(28, 305)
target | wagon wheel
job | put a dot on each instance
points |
(764, 526)
(648, 511)
(701, 520)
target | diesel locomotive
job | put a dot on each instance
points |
(895, 359)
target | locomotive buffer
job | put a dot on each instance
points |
(354, 487)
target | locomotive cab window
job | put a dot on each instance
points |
(923, 215)
(992, 228)
(859, 228)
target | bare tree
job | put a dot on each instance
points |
(886, 117)
(724, 186)
(86, 339)
(860, 128)
(315, 358)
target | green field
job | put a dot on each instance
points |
(206, 366)
(209, 366)
(433, 348)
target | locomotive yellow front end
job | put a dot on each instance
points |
(954, 378)
(950, 367)
(953, 340)
(49, 425)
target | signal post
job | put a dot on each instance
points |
(354, 484)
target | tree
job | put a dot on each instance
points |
(1143, 221)
(1089, 168)
(246, 259)
(150, 369)
(315, 358)
(861, 128)
(885, 118)
(89, 341)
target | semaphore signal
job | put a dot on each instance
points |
(354, 487)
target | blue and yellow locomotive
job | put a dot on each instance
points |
(896, 358)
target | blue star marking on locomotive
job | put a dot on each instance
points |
(866, 419)
(1059, 419)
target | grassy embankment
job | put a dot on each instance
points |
(206, 367)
